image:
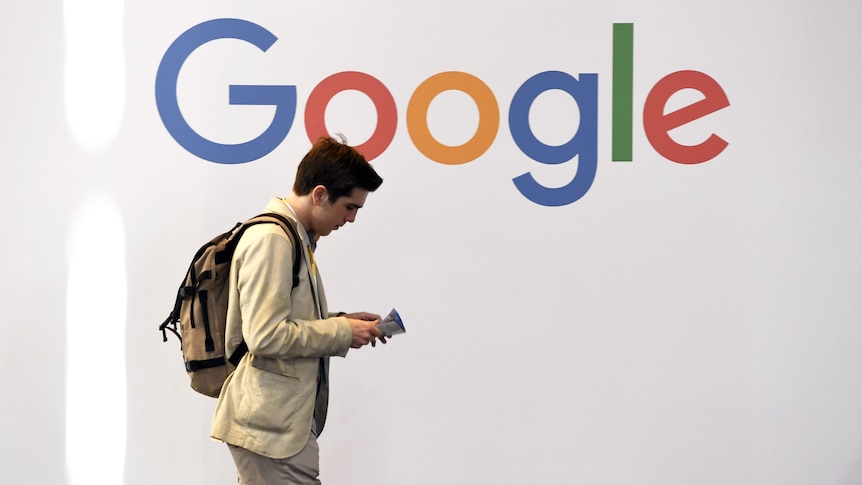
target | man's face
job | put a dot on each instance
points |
(330, 215)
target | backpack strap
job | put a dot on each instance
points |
(267, 218)
(287, 225)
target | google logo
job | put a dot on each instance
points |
(584, 90)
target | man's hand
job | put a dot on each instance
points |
(363, 316)
(364, 328)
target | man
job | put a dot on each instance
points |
(273, 406)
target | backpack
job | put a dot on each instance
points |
(200, 310)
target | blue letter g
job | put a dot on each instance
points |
(282, 97)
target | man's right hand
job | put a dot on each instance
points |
(365, 332)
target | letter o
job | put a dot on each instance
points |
(417, 117)
(387, 114)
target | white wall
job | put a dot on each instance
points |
(677, 324)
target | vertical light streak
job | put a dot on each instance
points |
(95, 346)
(94, 70)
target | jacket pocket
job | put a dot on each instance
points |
(281, 367)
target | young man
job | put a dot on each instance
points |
(273, 406)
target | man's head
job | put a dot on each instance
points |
(334, 179)
(337, 167)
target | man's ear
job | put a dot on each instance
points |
(318, 194)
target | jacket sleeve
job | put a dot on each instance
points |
(271, 326)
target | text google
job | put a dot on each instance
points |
(584, 90)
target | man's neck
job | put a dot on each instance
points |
(301, 206)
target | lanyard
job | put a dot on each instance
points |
(314, 281)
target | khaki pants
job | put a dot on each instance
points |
(300, 469)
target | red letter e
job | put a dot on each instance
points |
(657, 124)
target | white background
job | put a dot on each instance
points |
(678, 325)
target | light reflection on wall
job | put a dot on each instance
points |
(96, 414)
(94, 78)
(95, 347)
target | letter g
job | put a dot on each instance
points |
(282, 97)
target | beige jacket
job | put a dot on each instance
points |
(268, 402)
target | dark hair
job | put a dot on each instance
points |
(337, 167)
